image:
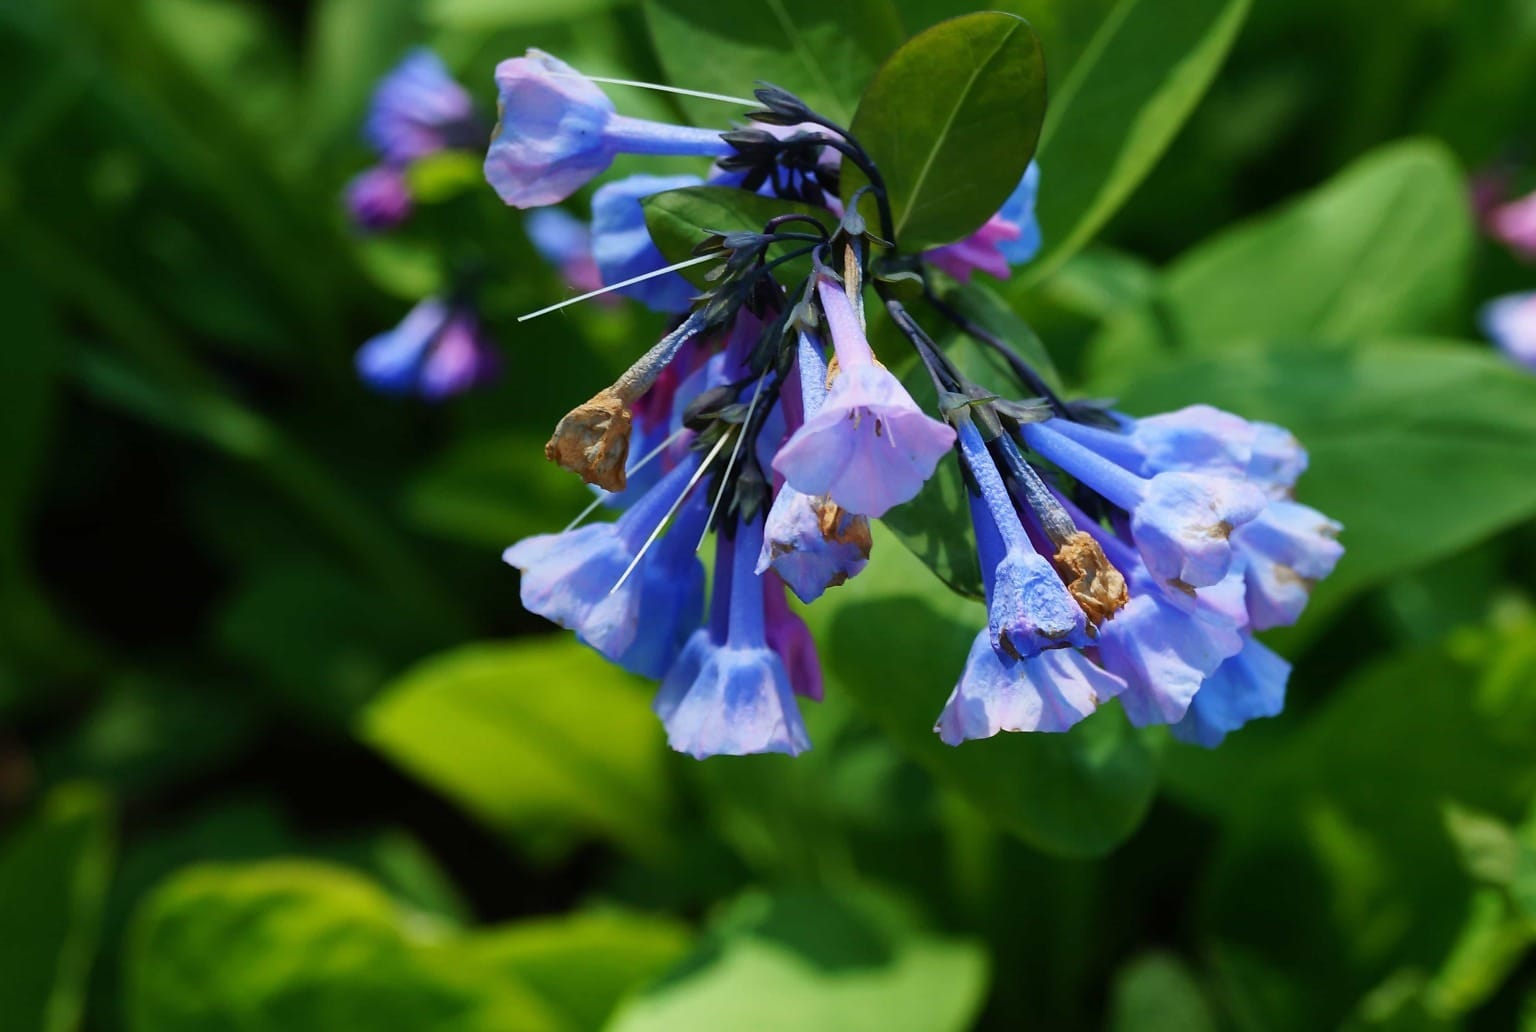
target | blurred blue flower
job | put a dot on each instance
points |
(1510, 322)
(622, 246)
(378, 198)
(565, 242)
(437, 350)
(418, 109)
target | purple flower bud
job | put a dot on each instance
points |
(1048, 692)
(1514, 225)
(741, 699)
(437, 350)
(870, 447)
(1285, 551)
(558, 130)
(622, 246)
(418, 109)
(1510, 322)
(1247, 686)
(378, 199)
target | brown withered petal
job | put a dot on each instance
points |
(831, 518)
(592, 441)
(1090, 577)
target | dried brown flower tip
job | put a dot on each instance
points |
(592, 441)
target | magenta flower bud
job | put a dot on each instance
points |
(378, 199)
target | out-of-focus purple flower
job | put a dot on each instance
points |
(1051, 691)
(1514, 225)
(789, 636)
(1181, 523)
(1009, 238)
(741, 700)
(870, 447)
(573, 579)
(622, 245)
(1247, 686)
(565, 242)
(438, 350)
(418, 109)
(378, 198)
(1510, 322)
(1285, 551)
(558, 130)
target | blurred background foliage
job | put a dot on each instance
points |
(279, 749)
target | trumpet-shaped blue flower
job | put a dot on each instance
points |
(574, 579)
(870, 447)
(622, 245)
(1510, 322)
(437, 350)
(558, 130)
(741, 699)
(1050, 691)
(1285, 551)
(1181, 523)
(1247, 686)
(1028, 607)
(378, 199)
(418, 109)
(1009, 238)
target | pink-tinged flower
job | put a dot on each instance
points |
(1514, 225)
(418, 109)
(1051, 691)
(378, 199)
(558, 130)
(789, 636)
(1009, 238)
(1510, 322)
(565, 242)
(870, 447)
(438, 350)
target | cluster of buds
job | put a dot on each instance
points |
(1121, 558)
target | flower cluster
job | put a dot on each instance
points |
(1121, 558)
(1509, 321)
(440, 348)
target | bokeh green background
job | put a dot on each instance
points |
(280, 751)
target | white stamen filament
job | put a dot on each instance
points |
(661, 525)
(637, 467)
(619, 286)
(661, 89)
(741, 435)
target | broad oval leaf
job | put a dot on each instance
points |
(951, 121)
(680, 220)
(1384, 247)
(1139, 79)
(824, 53)
(535, 734)
(895, 643)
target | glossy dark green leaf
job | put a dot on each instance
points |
(825, 53)
(535, 734)
(1121, 107)
(1419, 450)
(896, 643)
(54, 872)
(680, 220)
(815, 960)
(1384, 247)
(951, 121)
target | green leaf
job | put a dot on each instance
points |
(1419, 450)
(1121, 107)
(584, 964)
(951, 121)
(1382, 248)
(302, 947)
(815, 961)
(445, 175)
(480, 15)
(535, 734)
(54, 872)
(823, 53)
(1157, 993)
(680, 220)
(896, 644)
